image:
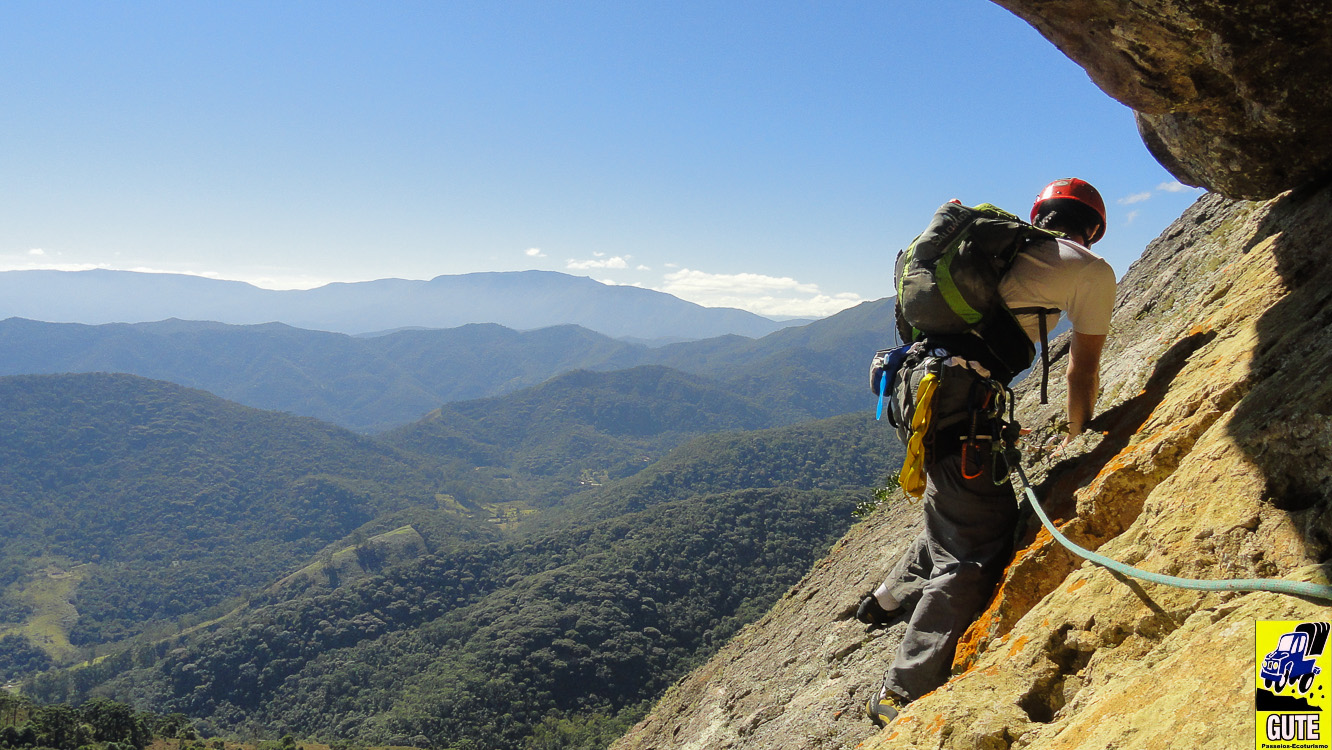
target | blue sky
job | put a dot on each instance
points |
(768, 155)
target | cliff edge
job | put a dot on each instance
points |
(1211, 458)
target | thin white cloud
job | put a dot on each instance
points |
(37, 251)
(1128, 218)
(701, 282)
(284, 283)
(1135, 198)
(642, 267)
(276, 279)
(584, 265)
(757, 293)
(147, 269)
(534, 252)
(1174, 187)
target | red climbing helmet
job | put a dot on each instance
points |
(1076, 190)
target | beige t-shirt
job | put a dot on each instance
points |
(1066, 275)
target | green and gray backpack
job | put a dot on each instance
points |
(947, 284)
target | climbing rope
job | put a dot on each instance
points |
(1296, 588)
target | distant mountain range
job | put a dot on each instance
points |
(521, 300)
(369, 383)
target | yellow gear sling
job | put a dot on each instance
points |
(912, 476)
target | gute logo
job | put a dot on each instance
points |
(1292, 662)
(1286, 727)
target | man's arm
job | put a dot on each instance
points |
(1084, 380)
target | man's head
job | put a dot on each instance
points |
(1070, 206)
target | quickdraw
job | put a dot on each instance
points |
(972, 440)
(986, 406)
(988, 427)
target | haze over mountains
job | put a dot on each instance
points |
(369, 383)
(520, 300)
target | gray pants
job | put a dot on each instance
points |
(950, 571)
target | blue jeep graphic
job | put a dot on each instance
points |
(1292, 663)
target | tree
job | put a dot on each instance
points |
(56, 727)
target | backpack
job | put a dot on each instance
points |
(947, 284)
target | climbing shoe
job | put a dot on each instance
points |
(884, 707)
(873, 614)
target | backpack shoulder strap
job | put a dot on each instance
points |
(1040, 313)
(1033, 235)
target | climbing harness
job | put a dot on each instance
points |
(916, 412)
(1275, 586)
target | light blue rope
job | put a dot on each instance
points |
(1296, 588)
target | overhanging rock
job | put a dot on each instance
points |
(1231, 95)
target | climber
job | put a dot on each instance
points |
(949, 572)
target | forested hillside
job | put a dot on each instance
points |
(162, 501)
(483, 645)
(802, 372)
(850, 452)
(360, 383)
(570, 549)
(582, 428)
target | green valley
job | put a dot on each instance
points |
(537, 564)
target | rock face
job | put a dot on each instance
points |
(1212, 458)
(1231, 95)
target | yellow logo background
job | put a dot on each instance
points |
(1293, 698)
